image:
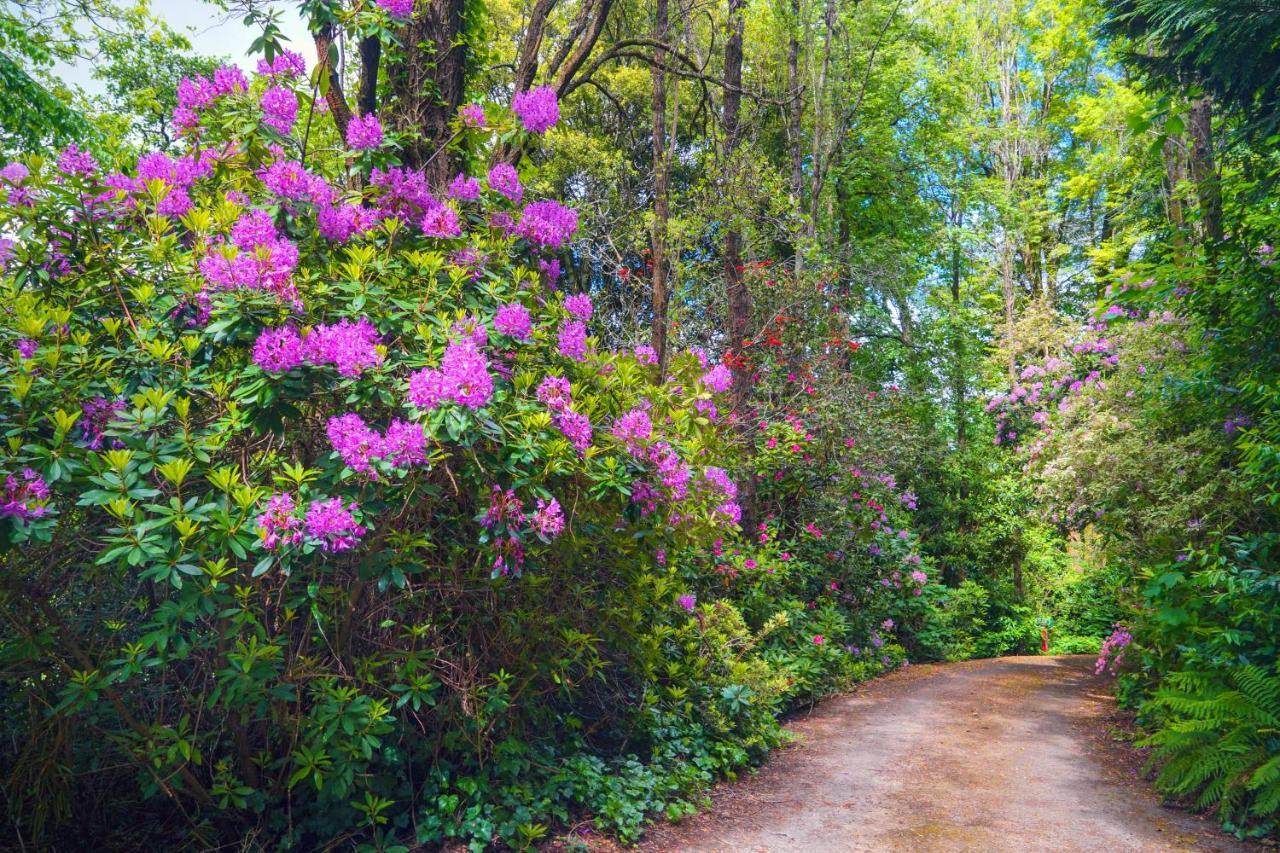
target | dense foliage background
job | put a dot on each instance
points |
(494, 423)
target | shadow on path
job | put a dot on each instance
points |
(990, 755)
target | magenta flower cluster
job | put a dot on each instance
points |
(1113, 649)
(547, 224)
(401, 9)
(504, 180)
(364, 133)
(572, 341)
(719, 379)
(279, 109)
(256, 259)
(288, 180)
(576, 427)
(177, 174)
(327, 523)
(196, 94)
(361, 447)
(555, 393)
(25, 496)
(350, 346)
(513, 320)
(332, 524)
(96, 416)
(279, 523)
(472, 115)
(634, 429)
(579, 305)
(286, 64)
(463, 378)
(442, 222)
(547, 520)
(464, 188)
(537, 109)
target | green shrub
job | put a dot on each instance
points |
(1074, 644)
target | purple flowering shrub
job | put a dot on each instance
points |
(1080, 418)
(831, 548)
(314, 485)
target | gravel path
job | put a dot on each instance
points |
(991, 755)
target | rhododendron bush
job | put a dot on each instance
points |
(320, 496)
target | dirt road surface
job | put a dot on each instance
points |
(993, 755)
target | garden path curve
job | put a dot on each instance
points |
(991, 755)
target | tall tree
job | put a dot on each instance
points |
(661, 184)
(736, 291)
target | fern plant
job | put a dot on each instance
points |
(1218, 741)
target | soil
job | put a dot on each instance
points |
(1015, 753)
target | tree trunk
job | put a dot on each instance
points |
(427, 81)
(327, 56)
(370, 57)
(1203, 170)
(958, 389)
(739, 297)
(661, 187)
(1009, 290)
(794, 118)
(736, 291)
(818, 163)
(1173, 176)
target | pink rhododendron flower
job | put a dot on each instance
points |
(442, 221)
(332, 525)
(278, 350)
(579, 305)
(75, 162)
(554, 392)
(14, 174)
(472, 115)
(547, 224)
(718, 379)
(633, 429)
(289, 180)
(547, 520)
(576, 427)
(279, 524)
(1113, 649)
(24, 497)
(279, 109)
(504, 180)
(405, 444)
(688, 602)
(464, 188)
(472, 329)
(537, 109)
(364, 133)
(351, 346)
(513, 320)
(355, 442)
(572, 342)
(286, 64)
(466, 373)
(463, 378)
(402, 9)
